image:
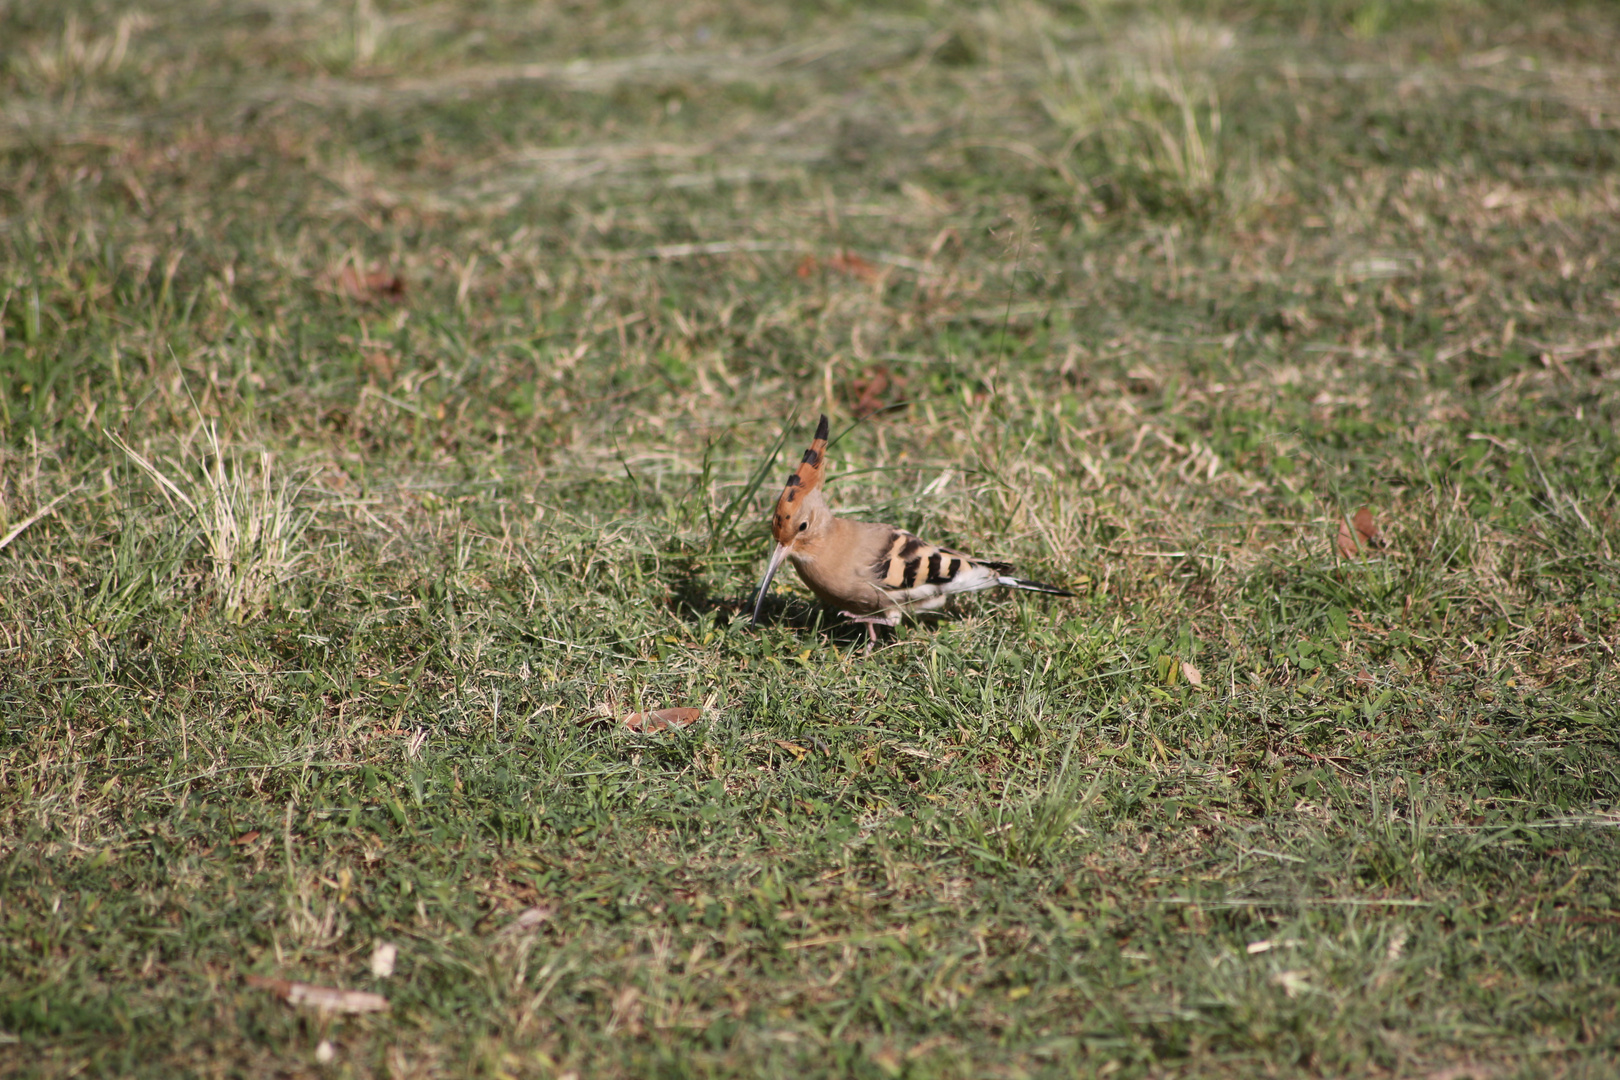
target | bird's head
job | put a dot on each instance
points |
(802, 514)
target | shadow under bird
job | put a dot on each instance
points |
(870, 573)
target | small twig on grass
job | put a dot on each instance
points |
(325, 999)
(716, 247)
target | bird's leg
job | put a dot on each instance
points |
(882, 618)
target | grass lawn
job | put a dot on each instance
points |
(392, 397)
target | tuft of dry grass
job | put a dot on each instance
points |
(246, 519)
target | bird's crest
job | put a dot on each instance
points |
(805, 479)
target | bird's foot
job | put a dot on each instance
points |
(872, 622)
(882, 618)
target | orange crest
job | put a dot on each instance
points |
(805, 479)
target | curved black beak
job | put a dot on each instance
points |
(770, 571)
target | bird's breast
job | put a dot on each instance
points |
(837, 583)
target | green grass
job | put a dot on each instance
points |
(343, 585)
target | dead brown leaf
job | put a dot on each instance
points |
(369, 287)
(380, 363)
(1363, 521)
(648, 722)
(868, 390)
(847, 262)
(807, 266)
(1358, 534)
(1193, 676)
(246, 838)
(322, 998)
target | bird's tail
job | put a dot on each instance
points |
(1032, 586)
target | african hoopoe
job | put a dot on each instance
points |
(873, 574)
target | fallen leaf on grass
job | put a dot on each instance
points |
(246, 838)
(370, 286)
(869, 391)
(869, 388)
(530, 918)
(323, 998)
(664, 718)
(1171, 671)
(795, 749)
(847, 262)
(1357, 534)
(380, 363)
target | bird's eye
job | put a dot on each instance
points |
(802, 525)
